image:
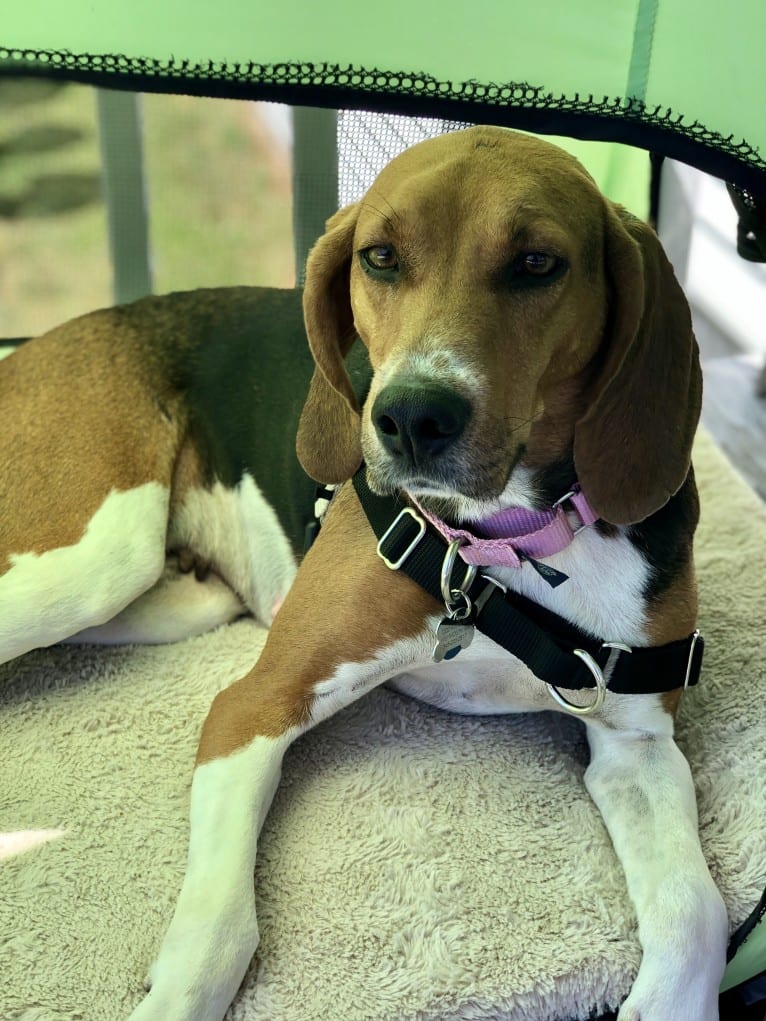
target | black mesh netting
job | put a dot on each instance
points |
(517, 104)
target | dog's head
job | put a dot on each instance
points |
(513, 318)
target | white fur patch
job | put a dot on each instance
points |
(238, 532)
(519, 491)
(214, 932)
(484, 679)
(604, 593)
(481, 680)
(177, 607)
(352, 680)
(643, 788)
(434, 359)
(49, 596)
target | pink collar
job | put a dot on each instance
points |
(517, 534)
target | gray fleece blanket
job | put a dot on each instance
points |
(416, 866)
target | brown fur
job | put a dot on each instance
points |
(374, 605)
(53, 420)
(633, 446)
(582, 371)
(580, 366)
(672, 614)
(671, 701)
(595, 363)
(331, 407)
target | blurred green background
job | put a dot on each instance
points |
(218, 188)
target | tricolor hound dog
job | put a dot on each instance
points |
(521, 449)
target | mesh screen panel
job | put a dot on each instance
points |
(367, 141)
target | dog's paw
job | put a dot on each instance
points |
(679, 1003)
(628, 1014)
(172, 998)
(187, 561)
(200, 966)
(150, 977)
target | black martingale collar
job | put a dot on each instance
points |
(555, 650)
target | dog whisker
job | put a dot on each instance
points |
(391, 220)
(514, 424)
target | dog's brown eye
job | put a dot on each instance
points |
(538, 264)
(380, 259)
(533, 270)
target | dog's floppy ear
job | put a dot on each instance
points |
(633, 446)
(328, 442)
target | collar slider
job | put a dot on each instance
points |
(392, 539)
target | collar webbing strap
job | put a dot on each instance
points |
(511, 536)
(542, 640)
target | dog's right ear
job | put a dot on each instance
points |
(328, 443)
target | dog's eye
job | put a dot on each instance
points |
(380, 260)
(534, 269)
(538, 264)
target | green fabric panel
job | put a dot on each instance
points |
(641, 58)
(709, 63)
(573, 47)
(700, 59)
(749, 960)
(621, 172)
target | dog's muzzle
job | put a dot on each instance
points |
(417, 424)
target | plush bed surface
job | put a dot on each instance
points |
(415, 865)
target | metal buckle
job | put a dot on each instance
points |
(483, 597)
(394, 565)
(616, 645)
(598, 674)
(695, 638)
(598, 701)
(451, 595)
(562, 500)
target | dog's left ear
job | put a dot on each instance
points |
(328, 442)
(633, 446)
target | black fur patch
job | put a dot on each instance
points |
(244, 366)
(665, 538)
(553, 482)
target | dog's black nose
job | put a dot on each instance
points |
(418, 422)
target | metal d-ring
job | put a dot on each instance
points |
(598, 676)
(451, 595)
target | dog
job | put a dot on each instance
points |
(502, 389)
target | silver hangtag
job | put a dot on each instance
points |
(452, 636)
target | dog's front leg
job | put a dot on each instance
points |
(214, 933)
(347, 625)
(643, 788)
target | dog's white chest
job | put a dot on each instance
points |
(607, 577)
(482, 679)
(604, 592)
